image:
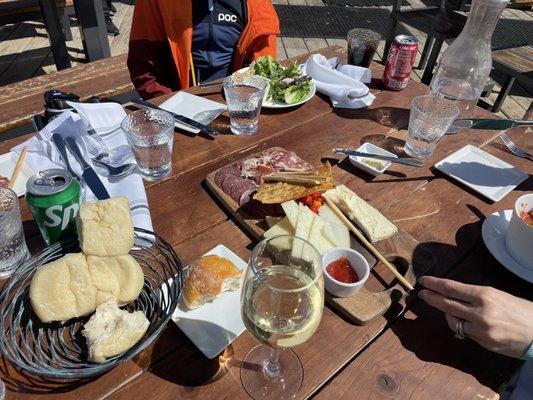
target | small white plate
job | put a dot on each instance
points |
(7, 165)
(194, 107)
(494, 230)
(482, 172)
(278, 104)
(371, 149)
(213, 326)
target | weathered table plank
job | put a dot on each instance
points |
(419, 358)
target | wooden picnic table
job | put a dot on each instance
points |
(409, 352)
(90, 15)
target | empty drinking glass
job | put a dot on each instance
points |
(244, 97)
(13, 249)
(150, 134)
(362, 45)
(430, 118)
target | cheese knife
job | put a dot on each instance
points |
(405, 161)
(492, 124)
(89, 176)
(180, 118)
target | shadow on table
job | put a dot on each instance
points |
(424, 330)
(188, 367)
(391, 117)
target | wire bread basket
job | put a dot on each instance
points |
(58, 350)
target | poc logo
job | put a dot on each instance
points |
(227, 17)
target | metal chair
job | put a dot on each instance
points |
(439, 23)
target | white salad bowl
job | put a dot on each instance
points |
(357, 262)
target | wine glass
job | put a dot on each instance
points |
(282, 302)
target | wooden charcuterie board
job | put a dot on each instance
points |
(412, 259)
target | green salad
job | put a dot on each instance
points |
(287, 84)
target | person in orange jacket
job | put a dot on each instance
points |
(175, 44)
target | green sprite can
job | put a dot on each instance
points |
(54, 197)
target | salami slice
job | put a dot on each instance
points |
(239, 188)
(224, 172)
(228, 182)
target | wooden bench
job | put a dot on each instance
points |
(516, 64)
(20, 101)
(15, 11)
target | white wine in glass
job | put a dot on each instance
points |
(282, 303)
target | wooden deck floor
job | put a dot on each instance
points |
(24, 49)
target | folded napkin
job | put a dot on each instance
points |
(97, 130)
(344, 84)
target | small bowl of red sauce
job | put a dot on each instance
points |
(345, 271)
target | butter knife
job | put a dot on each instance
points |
(180, 118)
(60, 145)
(492, 124)
(89, 176)
(405, 161)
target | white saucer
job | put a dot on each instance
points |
(493, 231)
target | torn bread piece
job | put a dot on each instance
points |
(112, 331)
(207, 278)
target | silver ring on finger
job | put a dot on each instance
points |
(460, 329)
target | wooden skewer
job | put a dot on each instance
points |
(18, 167)
(369, 245)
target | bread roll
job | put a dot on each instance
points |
(55, 288)
(105, 227)
(112, 331)
(74, 285)
(118, 277)
(208, 278)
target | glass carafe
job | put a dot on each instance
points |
(465, 65)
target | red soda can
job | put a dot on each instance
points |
(400, 62)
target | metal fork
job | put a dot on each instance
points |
(514, 148)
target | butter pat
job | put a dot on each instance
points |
(370, 220)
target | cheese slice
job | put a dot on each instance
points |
(283, 227)
(317, 237)
(339, 235)
(291, 210)
(303, 229)
(370, 220)
(334, 229)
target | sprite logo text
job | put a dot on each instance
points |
(54, 218)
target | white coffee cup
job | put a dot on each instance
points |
(519, 239)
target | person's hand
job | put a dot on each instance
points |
(496, 320)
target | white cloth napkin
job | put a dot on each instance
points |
(344, 84)
(96, 128)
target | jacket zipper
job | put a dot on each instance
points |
(210, 37)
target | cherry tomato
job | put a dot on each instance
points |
(317, 203)
(314, 209)
(316, 195)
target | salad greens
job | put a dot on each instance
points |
(287, 84)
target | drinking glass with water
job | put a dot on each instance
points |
(244, 97)
(150, 134)
(430, 118)
(13, 249)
